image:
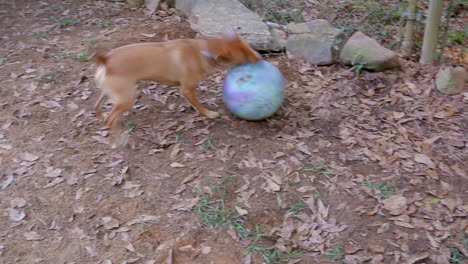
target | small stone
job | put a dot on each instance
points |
(451, 80)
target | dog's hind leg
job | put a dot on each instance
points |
(98, 105)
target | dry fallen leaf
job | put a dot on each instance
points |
(177, 165)
(91, 251)
(421, 158)
(53, 173)
(18, 202)
(450, 203)
(417, 257)
(241, 211)
(348, 249)
(28, 156)
(54, 182)
(143, 219)
(16, 215)
(396, 204)
(110, 223)
(33, 236)
(9, 179)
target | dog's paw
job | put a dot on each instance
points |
(212, 114)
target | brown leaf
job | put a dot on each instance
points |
(54, 182)
(422, 224)
(304, 189)
(91, 251)
(403, 224)
(241, 211)
(53, 173)
(33, 236)
(130, 247)
(349, 249)
(450, 203)
(459, 171)
(28, 156)
(271, 185)
(421, 158)
(433, 242)
(417, 257)
(110, 223)
(432, 174)
(377, 249)
(18, 202)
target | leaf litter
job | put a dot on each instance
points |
(365, 129)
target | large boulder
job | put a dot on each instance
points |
(152, 5)
(363, 50)
(209, 17)
(315, 41)
(451, 80)
(185, 6)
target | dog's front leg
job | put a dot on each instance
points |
(188, 91)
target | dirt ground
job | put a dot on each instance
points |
(368, 169)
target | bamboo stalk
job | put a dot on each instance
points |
(407, 45)
(431, 31)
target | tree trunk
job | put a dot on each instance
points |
(447, 28)
(407, 45)
(431, 32)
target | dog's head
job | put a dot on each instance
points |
(233, 49)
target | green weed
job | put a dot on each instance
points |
(40, 34)
(320, 195)
(213, 211)
(457, 37)
(104, 24)
(297, 208)
(319, 168)
(456, 256)
(82, 57)
(383, 189)
(90, 42)
(48, 78)
(65, 22)
(178, 137)
(208, 143)
(334, 253)
(278, 11)
(129, 125)
(2, 61)
(359, 64)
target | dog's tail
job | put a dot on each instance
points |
(99, 58)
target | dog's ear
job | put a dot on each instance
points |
(229, 32)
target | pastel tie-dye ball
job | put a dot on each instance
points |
(254, 91)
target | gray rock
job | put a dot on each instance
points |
(279, 37)
(315, 41)
(185, 6)
(361, 49)
(451, 80)
(152, 5)
(209, 17)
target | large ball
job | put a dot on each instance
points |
(254, 91)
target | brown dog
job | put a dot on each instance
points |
(176, 62)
